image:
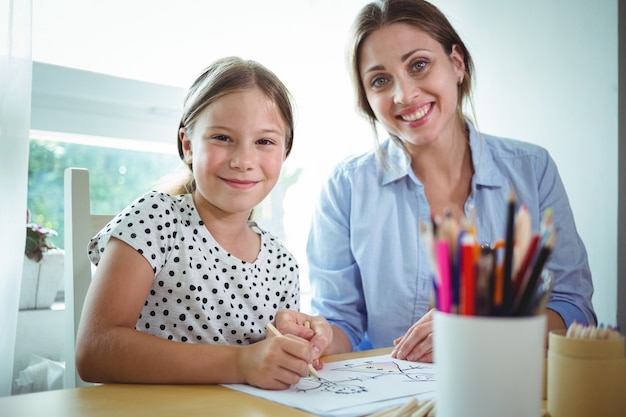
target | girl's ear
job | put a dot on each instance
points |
(186, 145)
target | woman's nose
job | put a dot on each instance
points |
(405, 90)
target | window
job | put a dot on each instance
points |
(118, 175)
(122, 170)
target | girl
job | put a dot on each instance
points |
(185, 283)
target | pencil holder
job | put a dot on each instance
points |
(586, 377)
(488, 366)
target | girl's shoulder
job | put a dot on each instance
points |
(270, 243)
(161, 202)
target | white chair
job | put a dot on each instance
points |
(80, 227)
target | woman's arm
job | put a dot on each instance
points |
(110, 349)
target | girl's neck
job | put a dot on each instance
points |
(230, 230)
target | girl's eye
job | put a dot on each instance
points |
(222, 138)
(264, 142)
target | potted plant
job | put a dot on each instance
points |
(37, 241)
(42, 272)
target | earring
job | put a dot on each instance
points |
(460, 80)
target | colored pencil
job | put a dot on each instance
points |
(507, 272)
(531, 285)
(467, 275)
(442, 256)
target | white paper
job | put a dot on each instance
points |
(355, 387)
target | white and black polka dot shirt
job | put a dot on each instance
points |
(201, 293)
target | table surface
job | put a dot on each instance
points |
(121, 400)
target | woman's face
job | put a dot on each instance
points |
(411, 83)
(236, 148)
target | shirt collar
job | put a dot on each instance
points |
(398, 163)
(485, 172)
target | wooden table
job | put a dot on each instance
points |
(134, 400)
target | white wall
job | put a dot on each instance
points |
(546, 73)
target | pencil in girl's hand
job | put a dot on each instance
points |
(273, 330)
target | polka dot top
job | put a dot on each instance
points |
(201, 293)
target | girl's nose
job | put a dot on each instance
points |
(242, 158)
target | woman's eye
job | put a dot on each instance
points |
(419, 65)
(378, 82)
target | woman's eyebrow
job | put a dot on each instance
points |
(408, 54)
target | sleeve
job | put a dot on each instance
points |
(573, 287)
(334, 274)
(138, 226)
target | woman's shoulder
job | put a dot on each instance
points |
(510, 145)
(373, 162)
(507, 146)
(362, 160)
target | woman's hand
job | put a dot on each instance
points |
(275, 363)
(315, 329)
(417, 343)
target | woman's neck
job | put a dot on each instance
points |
(444, 159)
(445, 169)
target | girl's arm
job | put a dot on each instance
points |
(109, 349)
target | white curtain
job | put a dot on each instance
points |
(15, 91)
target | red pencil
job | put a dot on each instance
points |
(468, 275)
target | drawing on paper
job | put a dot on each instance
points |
(351, 373)
(360, 385)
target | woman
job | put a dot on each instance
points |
(369, 270)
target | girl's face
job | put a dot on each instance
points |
(236, 148)
(411, 83)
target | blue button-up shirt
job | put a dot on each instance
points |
(369, 271)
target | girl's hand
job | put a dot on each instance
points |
(275, 363)
(417, 344)
(315, 329)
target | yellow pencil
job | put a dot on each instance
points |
(273, 330)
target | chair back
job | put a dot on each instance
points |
(80, 226)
